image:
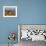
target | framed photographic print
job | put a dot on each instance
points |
(9, 11)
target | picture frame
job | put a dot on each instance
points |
(9, 11)
(39, 35)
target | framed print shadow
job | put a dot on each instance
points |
(9, 11)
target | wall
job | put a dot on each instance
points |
(29, 12)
